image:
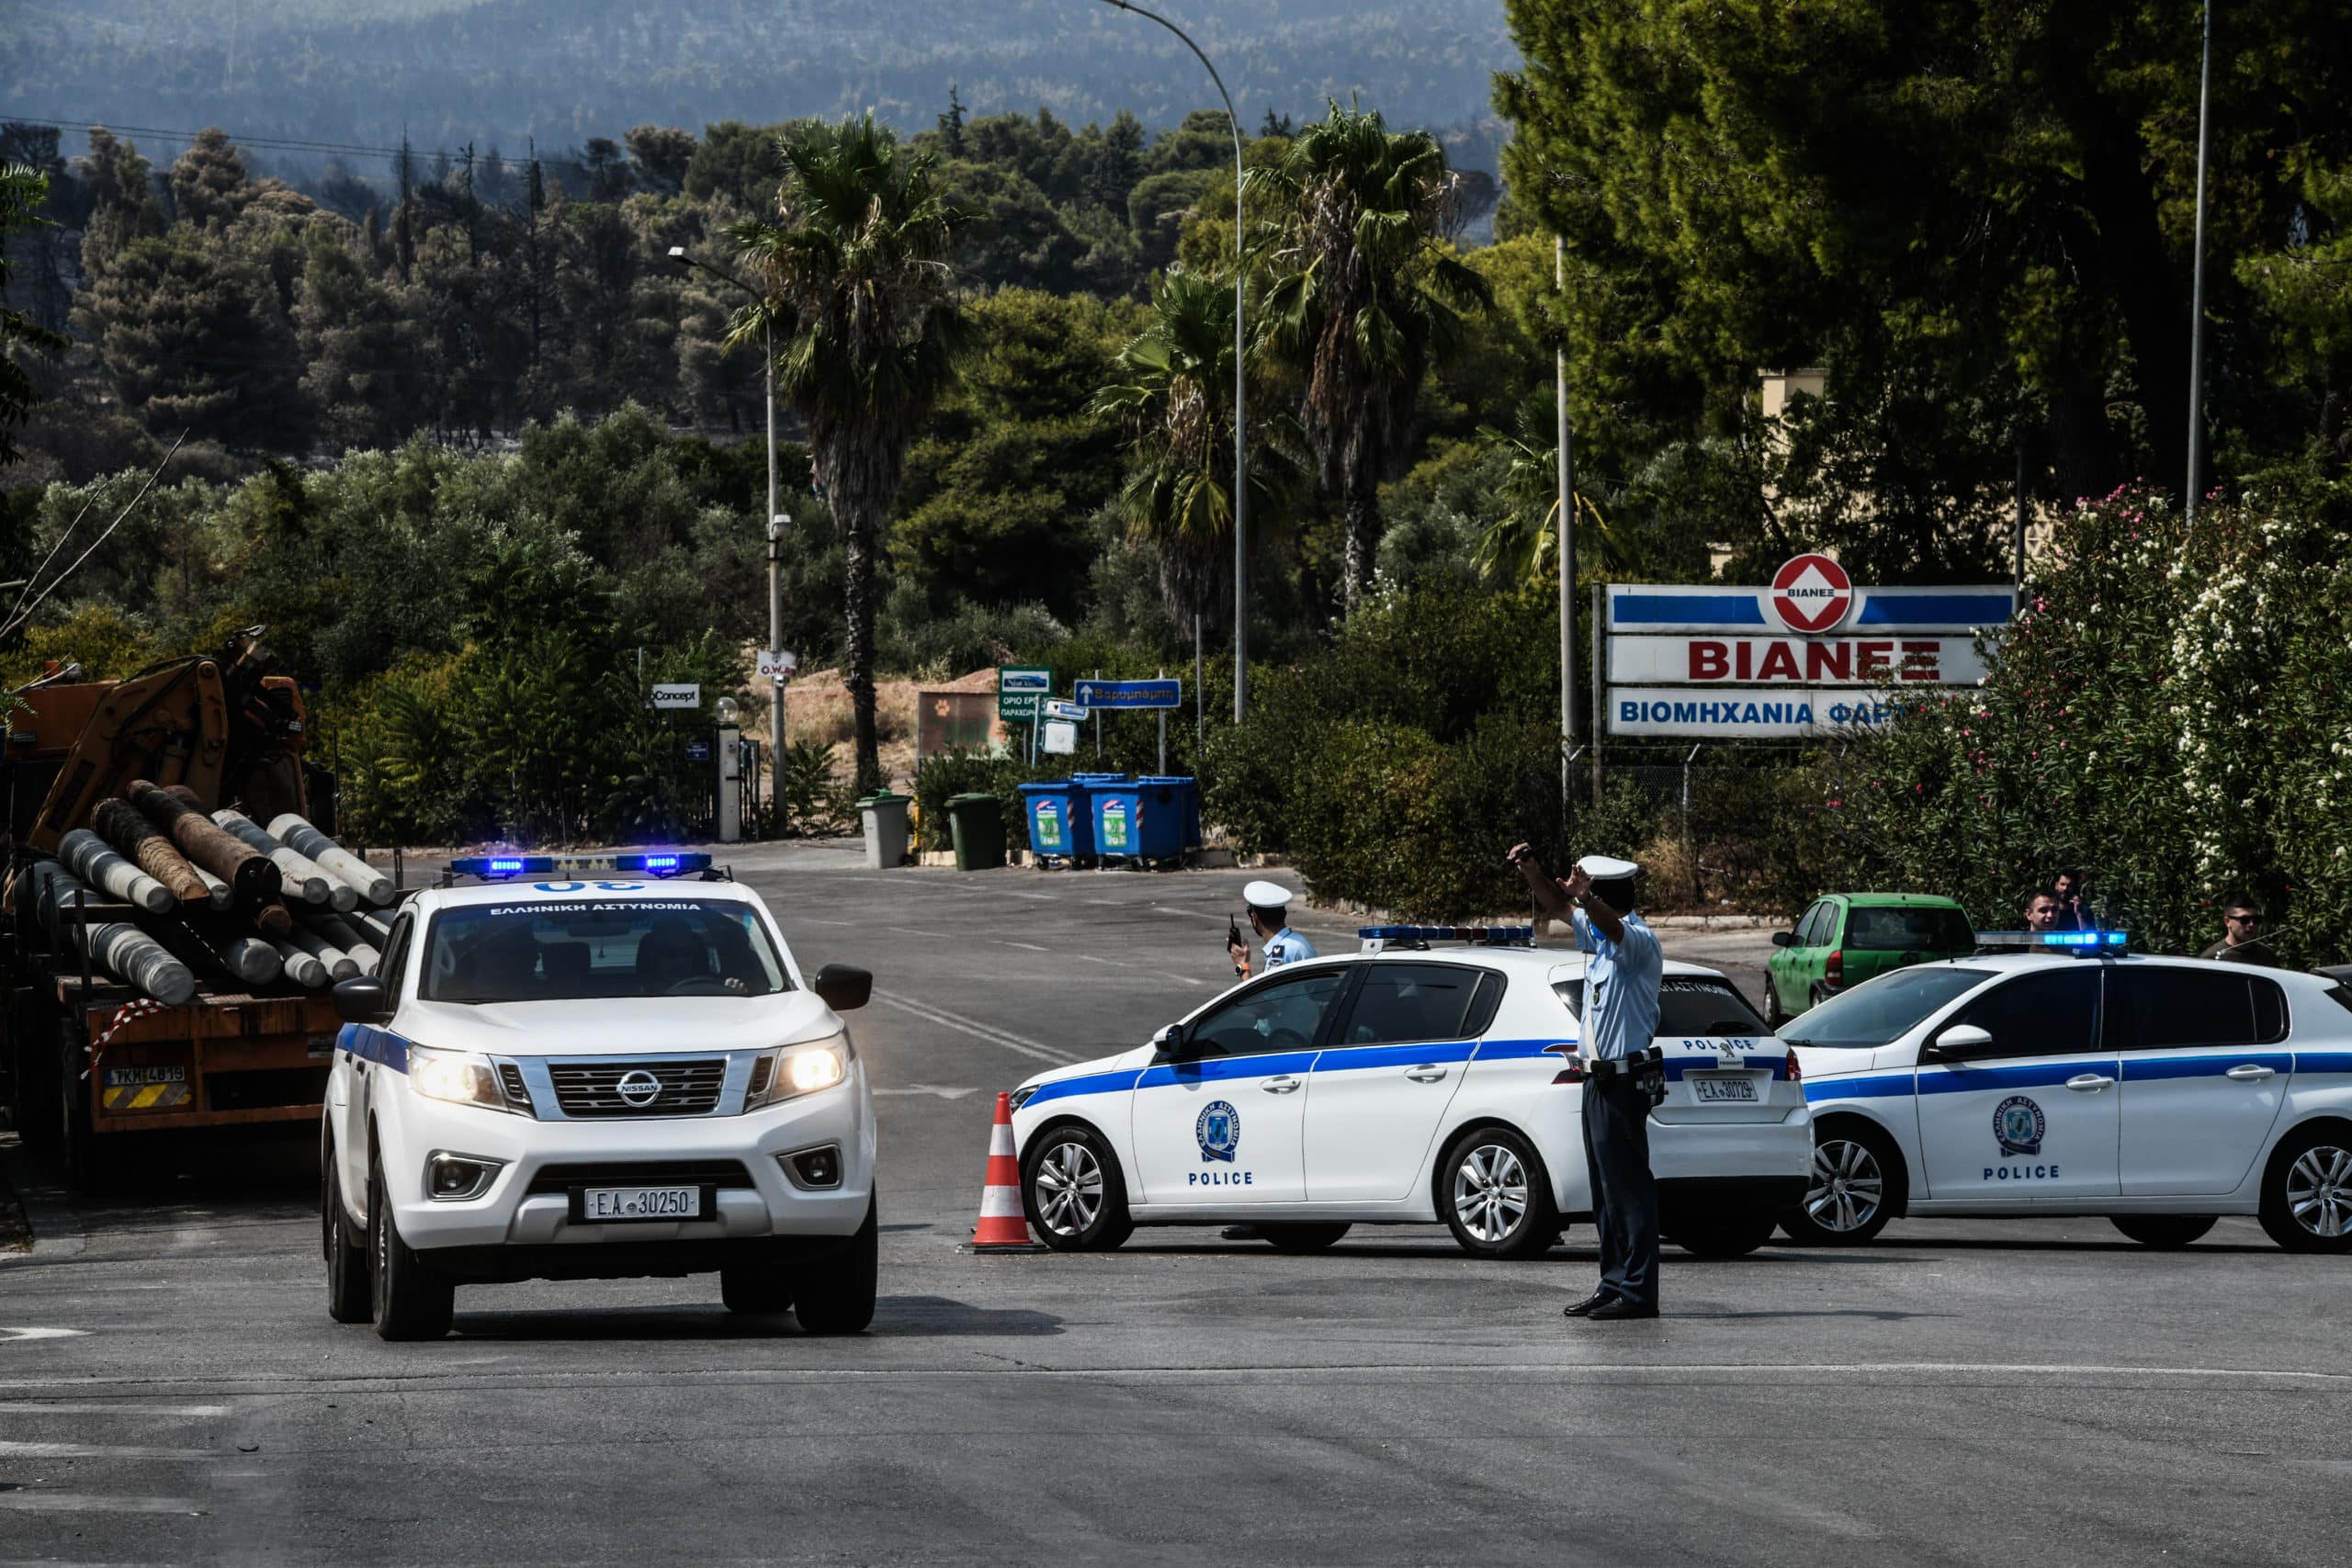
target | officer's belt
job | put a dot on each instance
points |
(1609, 1071)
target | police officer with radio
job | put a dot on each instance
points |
(1269, 905)
(1621, 1012)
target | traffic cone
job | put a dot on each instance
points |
(1002, 1227)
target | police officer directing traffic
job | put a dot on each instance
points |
(1269, 905)
(1621, 1013)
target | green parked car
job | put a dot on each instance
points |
(1845, 939)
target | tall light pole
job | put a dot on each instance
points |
(2197, 286)
(1568, 531)
(1240, 422)
(777, 520)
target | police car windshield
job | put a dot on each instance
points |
(568, 949)
(1880, 1011)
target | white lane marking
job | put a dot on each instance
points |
(7, 1333)
(973, 1027)
(918, 1089)
(87, 1503)
(1090, 958)
(1196, 914)
(1188, 980)
(103, 1407)
(1029, 946)
(813, 920)
(10, 1450)
(910, 931)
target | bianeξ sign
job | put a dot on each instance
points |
(1790, 660)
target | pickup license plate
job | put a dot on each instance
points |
(134, 1077)
(597, 1205)
(1719, 1087)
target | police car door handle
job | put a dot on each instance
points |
(2087, 1083)
(1279, 1086)
(1428, 1072)
(2250, 1072)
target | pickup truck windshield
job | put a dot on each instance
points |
(561, 948)
(1880, 1011)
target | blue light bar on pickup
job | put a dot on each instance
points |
(653, 862)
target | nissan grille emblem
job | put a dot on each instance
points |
(639, 1087)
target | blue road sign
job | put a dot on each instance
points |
(1131, 693)
(697, 751)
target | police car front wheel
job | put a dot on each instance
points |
(1856, 1187)
(1074, 1192)
(1495, 1196)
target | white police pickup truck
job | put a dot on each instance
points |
(2160, 1092)
(1426, 1078)
(582, 1069)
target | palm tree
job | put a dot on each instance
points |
(1365, 296)
(1518, 546)
(1179, 499)
(860, 305)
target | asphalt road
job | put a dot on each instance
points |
(1964, 1392)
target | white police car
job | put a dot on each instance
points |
(2160, 1092)
(1413, 1081)
(581, 1070)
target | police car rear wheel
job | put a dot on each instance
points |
(2307, 1192)
(1494, 1196)
(1075, 1195)
(1302, 1237)
(1854, 1190)
(2163, 1230)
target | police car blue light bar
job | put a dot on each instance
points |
(1492, 936)
(2084, 938)
(662, 864)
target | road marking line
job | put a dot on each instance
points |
(1029, 946)
(927, 1088)
(88, 1407)
(1090, 958)
(86, 1503)
(910, 931)
(973, 1027)
(1196, 914)
(14, 1449)
(43, 1334)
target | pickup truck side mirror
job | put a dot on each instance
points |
(1169, 1044)
(362, 1000)
(842, 987)
(1961, 1041)
(1784, 939)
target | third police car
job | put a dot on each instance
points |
(2160, 1092)
(1425, 1078)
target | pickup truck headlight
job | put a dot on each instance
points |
(792, 1071)
(459, 1076)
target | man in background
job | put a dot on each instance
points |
(2242, 936)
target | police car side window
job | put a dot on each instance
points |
(395, 956)
(2158, 1009)
(1281, 1015)
(2052, 1013)
(1402, 1003)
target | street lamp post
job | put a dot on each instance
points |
(777, 522)
(2197, 285)
(1240, 442)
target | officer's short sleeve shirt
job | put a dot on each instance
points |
(1620, 987)
(1286, 946)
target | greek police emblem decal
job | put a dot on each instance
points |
(2018, 1126)
(1218, 1130)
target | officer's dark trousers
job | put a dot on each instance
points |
(1625, 1196)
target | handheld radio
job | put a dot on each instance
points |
(1233, 939)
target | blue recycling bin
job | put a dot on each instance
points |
(1116, 805)
(1060, 826)
(1182, 798)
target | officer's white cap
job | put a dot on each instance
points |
(1267, 896)
(1606, 868)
